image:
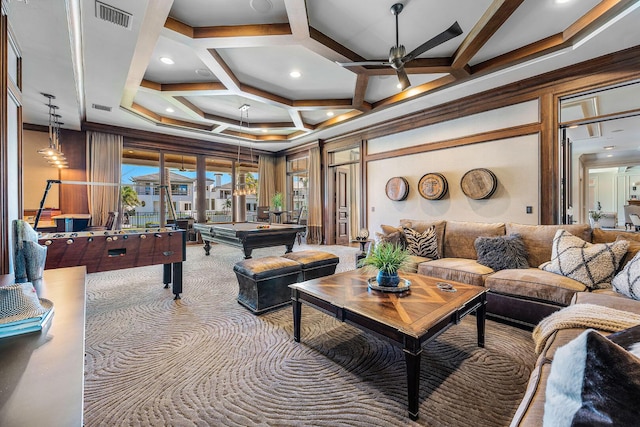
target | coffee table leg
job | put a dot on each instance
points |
(480, 317)
(412, 359)
(297, 316)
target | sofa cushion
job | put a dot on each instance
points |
(616, 301)
(424, 244)
(457, 269)
(538, 239)
(536, 284)
(592, 264)
(421, 226)
(459, 237)
(413, 262)
(502, 252)
(608, 236)
(593, 381)
(627, 281)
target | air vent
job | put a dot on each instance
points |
(101, 107)
(113, 15)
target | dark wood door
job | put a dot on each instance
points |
(342, 206)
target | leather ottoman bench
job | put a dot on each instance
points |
(264, 282)
(314, 263)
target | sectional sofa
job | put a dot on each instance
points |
(524, 296)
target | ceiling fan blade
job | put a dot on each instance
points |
(363, 63)
(403, 78)
(446, 35)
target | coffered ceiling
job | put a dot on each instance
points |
(229, 53)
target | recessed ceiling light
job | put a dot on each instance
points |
(295, 74)
(203, 72)
(170, 110)
(330, 113)
(262, 6)
(562, 1)
(609, 155)
(167, 60)
(608, 147)
(264, 131)
(399, 86)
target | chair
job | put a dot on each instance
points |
(295, 219)
(635, 220)
(111, 221)
(299, 220)
(628, 210)
(263, 214)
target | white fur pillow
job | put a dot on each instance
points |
(594, 265)
(627, 282)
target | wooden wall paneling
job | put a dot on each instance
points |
(4, 185)
(74, 198)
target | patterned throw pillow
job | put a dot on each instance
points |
(594, 265)
(502, 252)
(423, 244)
(627, 282)
(396, 238)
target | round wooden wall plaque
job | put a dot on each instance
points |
(397, 188)
(479, 183)
(433, 186)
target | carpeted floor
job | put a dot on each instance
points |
(206, 361)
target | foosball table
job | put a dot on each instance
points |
(118, 249)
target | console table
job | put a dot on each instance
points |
(42, 373)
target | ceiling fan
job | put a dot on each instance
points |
(398, 56)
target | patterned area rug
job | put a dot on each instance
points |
(205, 360)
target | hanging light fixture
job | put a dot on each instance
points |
(53, 153)
(241, 189)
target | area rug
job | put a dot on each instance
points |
(205, 360)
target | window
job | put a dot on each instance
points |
(297, 183)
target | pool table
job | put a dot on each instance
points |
(248, 235)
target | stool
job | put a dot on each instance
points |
(314, 263)
(264, 282)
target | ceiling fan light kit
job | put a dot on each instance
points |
(397, 54)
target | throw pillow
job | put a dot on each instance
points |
(594, 265)
(502, 252)
(627, 282)
(593, 382)
(396, 238)
(423, 244)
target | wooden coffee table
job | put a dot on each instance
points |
(408, 319)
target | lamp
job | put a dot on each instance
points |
(53, 153)
(241, 188)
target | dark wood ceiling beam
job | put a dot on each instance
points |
(151, 85)
(179, 27)
(257, 30)
(185, 124)
(184, 101)
(415, 91)
(597, 16)
(337, 119)
(266, 96)
(252, 137)
(193, 87)
(141, 110)
(493, 18)
(320, 104)
(359, 93)
(525, 53)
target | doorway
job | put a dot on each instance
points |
(344, 196)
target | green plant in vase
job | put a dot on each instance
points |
(276, 201)
(388, 259)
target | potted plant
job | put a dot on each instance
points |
(595, 216)
(276, 201)
(388, 259)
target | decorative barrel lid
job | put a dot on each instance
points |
(397, 188)
(433, 186)
(479, 183)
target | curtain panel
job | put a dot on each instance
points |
(266, 179)
(314, 218)
(104, 160)
(281, 179)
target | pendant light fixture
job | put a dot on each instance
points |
(241, 189)
(53, 153)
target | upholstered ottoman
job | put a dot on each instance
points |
(314, 263)
(264, 282)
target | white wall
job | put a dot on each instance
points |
(514, 161)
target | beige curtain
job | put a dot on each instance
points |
(104, 160)
(266, 179)
(314, 217)
(281, 178)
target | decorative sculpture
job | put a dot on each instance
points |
(29, 255)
